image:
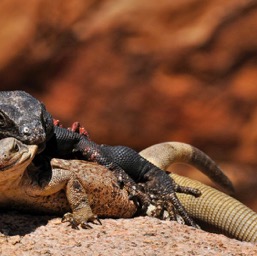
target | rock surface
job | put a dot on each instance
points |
(37, 235)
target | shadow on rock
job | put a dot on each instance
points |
(13, 223)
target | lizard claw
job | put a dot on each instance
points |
(135, 191)
(85, 225)
(187, 190)
(162, 208)
(140, 199)
(68, 217)
(97, 220)
(57, 122)
(74, 221)
(159, 210)
(162, 189)
(76, 127)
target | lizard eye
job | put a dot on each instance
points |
(2, 120)
(16, 147)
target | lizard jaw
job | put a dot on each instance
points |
(17, 155)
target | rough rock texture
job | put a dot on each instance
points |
(142, 72)
(30, 235)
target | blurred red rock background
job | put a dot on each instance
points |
(143, 72)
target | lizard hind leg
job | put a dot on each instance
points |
(81, 211)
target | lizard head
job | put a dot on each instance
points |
(14, 155)
(24, 118)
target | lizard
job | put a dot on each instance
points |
(219, 211)
(81, 191)
(25, 118)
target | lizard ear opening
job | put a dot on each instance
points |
(48, 121)
(3, 121)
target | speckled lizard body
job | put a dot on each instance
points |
(80, 189)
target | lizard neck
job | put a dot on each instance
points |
(12, 177)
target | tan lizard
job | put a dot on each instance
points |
(25, 186)
(83, 190)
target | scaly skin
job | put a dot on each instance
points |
(86, 189)
(213, 207)
(25, 118)
(177, 152)
(80, 190)
(226, 214)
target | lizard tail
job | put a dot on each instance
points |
(214, 208)
(219, 210)
(167, 153)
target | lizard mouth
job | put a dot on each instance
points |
(15, 162)
(24, 157)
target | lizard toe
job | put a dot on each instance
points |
(76, 220)
(68, 217)
(162, 190)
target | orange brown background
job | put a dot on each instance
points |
(143, 72)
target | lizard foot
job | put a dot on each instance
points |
(162, 208)
(76, 127)
(187, 190)
(76, 220)
(57, 122)
(134, 190)
(162, 189)
(81, 211)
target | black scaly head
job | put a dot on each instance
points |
(24, 118)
